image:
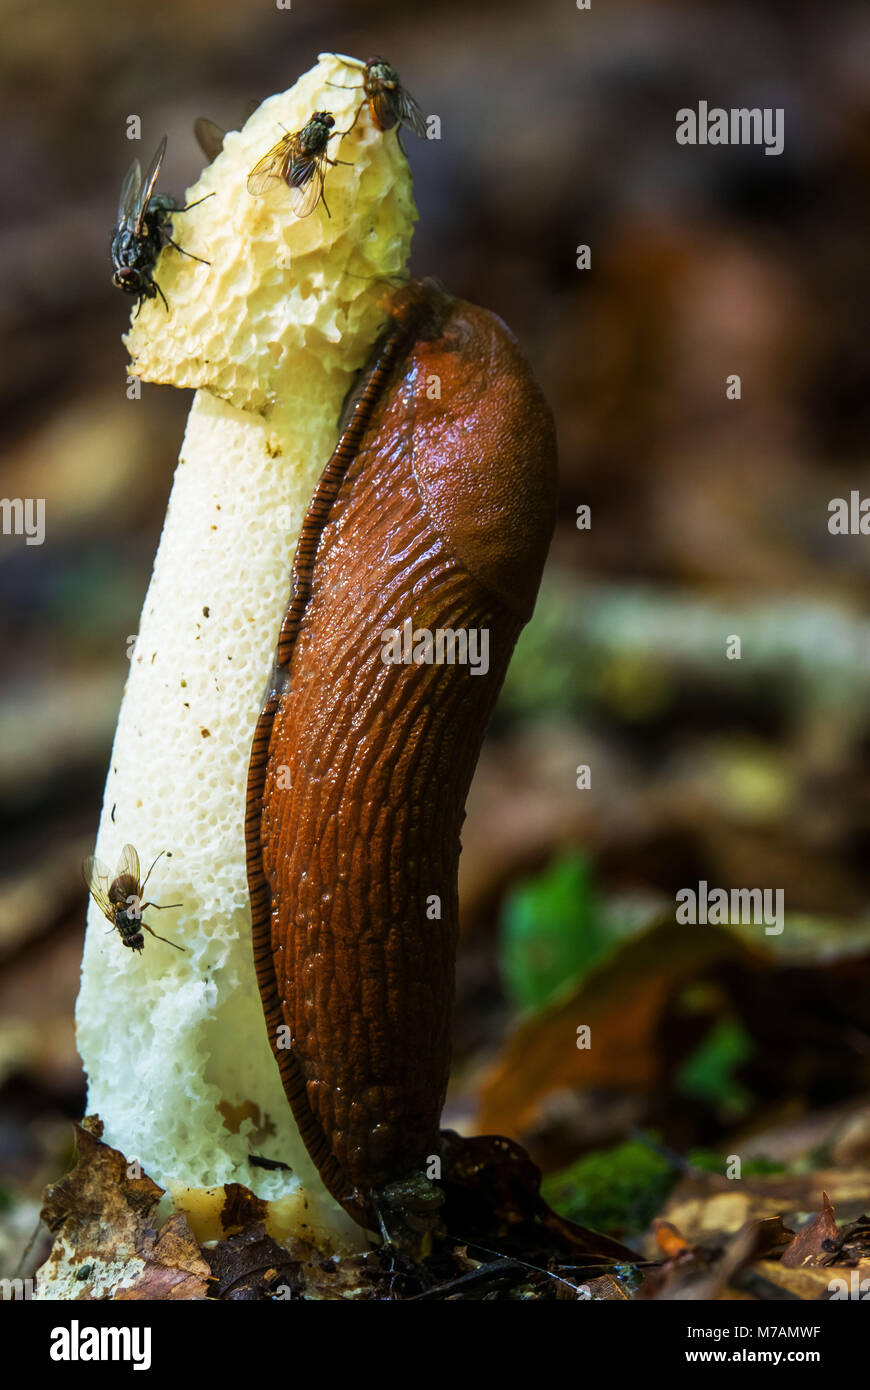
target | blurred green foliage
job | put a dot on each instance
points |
(551, 931)
(709, 1073)
(757, 1166)
(556, 927)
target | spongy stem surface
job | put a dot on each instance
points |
(174, 1044)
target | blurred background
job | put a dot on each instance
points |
(708, 519)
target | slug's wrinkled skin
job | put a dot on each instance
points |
(439, 511)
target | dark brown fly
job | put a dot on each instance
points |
(390, 104)
(298, 160)
(120, 900)
(143, 227)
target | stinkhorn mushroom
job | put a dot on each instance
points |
(346, 790)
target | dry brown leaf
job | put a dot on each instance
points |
(107, 1243)
(807, 1248)
(176, 1268)
(706, 1206)
(623, 1003)
(99, 1200)
(669, 1239)
(605, 1289)
(809, 1283)
(697, 1273)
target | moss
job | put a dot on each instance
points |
(617, 1190)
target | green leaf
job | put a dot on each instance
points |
(709, 1073)
(552, 931)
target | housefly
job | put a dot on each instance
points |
(120, 899)
(298, 160)
(388, 101)
(143, 228)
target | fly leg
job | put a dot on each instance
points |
(189, 254)
(188, 206)
(358, 109)
(146, 927)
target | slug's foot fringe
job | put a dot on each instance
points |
(408, 1214)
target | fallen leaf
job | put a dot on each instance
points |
(669, 1240)
(807, 1248)
(106, 1240)
(852, 1246)
(623, 1002)
(175, 1266)
(99, 1200)
(250, 1265)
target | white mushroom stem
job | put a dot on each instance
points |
(174, 1044)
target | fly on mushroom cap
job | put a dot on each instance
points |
(389, 103)
(298, 160)
(143, 228)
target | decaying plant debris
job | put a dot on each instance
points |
(501, 1242)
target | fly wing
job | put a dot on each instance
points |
(209, 137)
(306, 190)
(96, 877)
(150, 181)
(128, 864)
(411, 115)
(128, 203)
(271, 166)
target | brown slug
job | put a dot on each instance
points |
(434, 513)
